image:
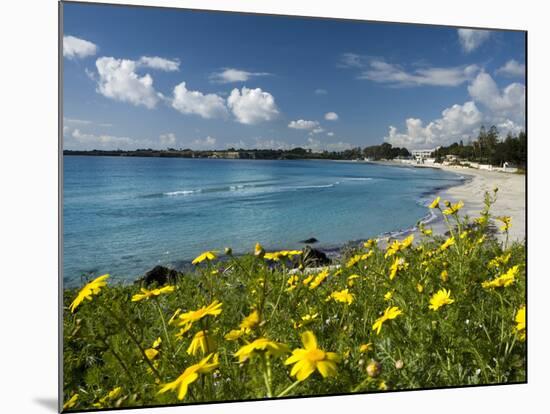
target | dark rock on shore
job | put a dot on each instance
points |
(314, 258)
(311, 240)
(159, 275)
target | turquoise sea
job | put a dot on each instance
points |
(124, 215)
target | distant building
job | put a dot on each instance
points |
(423, 154)
(225, 154)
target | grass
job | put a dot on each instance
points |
(112, 356)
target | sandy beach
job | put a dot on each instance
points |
(510, 200)
(510, 196)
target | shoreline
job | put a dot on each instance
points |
(511, 199)
(510, 202)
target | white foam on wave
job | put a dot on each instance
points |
(181, 192)
(236, 187)
(305, 187)
(358, 179)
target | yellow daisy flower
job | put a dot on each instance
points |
(261, 345)
(202, 342)
(188, 318)
(343, 296)
(90, 289)
(310, 358)
(520, 323)
(209, 255)
(146, 294)
(504, 280)
(435, 203)
(453, 208)
(391, 312)
(190, 375)
(71, 402)
(442, 297)
(448, 243)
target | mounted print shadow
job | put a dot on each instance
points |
(259, 206)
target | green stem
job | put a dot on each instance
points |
(163, 324)
(119, 360)
(267, 375)
(124, 326)
(288, 389)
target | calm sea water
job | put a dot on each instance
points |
(125, 215)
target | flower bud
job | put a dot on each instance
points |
(373, 369)
(399, 364)
(228, 251)
(259, 251)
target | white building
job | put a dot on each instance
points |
(423, 154)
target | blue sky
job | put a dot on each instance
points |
(144, 77)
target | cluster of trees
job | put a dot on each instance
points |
(384, 151)
(489, 149)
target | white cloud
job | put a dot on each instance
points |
(74, 121)
(155, 62)
(351, 60)
(168, 140)
(503, 108)
(303, 124)
(75, 139)
(471, 39)
(119, 81)
(207, 143)
(512, 68)
(318, 146)
(331, 116)
(74, 48)
(330, 134)
(395, 75)
(320, 91)
(251, 106)
(195, 102)
(456, 123)
(317, 130)
(229, 75)
(508, 103)
(260, 143)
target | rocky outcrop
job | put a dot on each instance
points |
(159, 275)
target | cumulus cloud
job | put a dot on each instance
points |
(456, 123)
(303, 124)
(195, 102)
(168, 140)
(471, 39)
(252, 106)
(508, 103)
(331, 116)
(512, 68)
(119, 81)
(155, 62)
(207, 143)
(230, 75)
(330, 134)
(317, 130)
(76, 48)
(503, 108)
(320, 91)
(395, 75)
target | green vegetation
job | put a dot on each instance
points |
(385, 151)
(488, 149)
(435, 312)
